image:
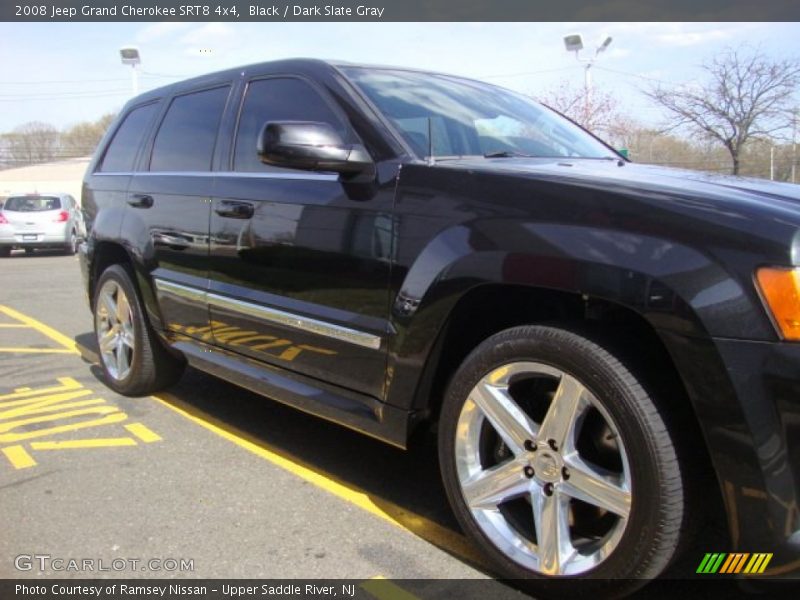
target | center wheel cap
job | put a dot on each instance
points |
(547, 465)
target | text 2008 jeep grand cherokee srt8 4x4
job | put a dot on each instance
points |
(607, 348)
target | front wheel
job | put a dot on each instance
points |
(133, 360)
(558, 464)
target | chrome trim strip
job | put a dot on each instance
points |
(186, 292)
(273, 315)
(266, 175)
(337, 332)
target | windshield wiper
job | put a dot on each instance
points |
(506, 154)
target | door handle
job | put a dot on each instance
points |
(141, 201)
(234, 210)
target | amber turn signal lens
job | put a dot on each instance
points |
(781, 290)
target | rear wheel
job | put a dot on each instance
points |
(133, 360)
(5, 251)
(71, 246)
(558, 464)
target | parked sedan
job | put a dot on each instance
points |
(40, 221)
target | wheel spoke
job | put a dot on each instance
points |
(107, 341)
(595, 486)
(508, 419)
(123, 308)
(495, 485)
(110, 306)
(551, 519)
(122, 359)
(567, 404)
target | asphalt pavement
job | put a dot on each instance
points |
(204, 481)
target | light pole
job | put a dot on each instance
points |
(574, 43)
(130, 56)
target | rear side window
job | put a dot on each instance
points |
(123, 148)
(185, 140)
(279, 99)
(32, 203)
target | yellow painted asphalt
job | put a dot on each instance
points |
(442, 537)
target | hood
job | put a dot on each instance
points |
(632, 178)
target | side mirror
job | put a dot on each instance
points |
(313, 147)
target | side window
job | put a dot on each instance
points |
(279, 99)
(186, 137)
(125, 144)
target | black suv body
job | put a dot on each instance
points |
(599, 341)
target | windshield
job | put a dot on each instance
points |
(464, 117)
(32, 203)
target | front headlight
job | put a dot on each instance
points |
(780, 288)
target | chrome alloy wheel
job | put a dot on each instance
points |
(114, 329)
(543, 469)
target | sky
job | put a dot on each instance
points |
(64, 73)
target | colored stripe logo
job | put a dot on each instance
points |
(741, 562)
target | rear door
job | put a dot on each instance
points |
(300, 260)
(169, 200)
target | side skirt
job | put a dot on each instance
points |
(352, 410)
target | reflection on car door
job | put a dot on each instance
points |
(300, 260)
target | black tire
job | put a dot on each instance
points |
(5, 251)
(150, 366)
(71, 246)
(645, 538)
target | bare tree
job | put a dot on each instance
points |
(598, 113)
(746, 96)
(32, 142)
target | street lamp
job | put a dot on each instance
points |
(574, 43)
(130, 56)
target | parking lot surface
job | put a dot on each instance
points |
(205, 480)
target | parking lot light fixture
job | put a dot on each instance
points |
(130, 56)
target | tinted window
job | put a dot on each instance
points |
(123, 148)
(185, 140)
(32, 203)
(277, 100)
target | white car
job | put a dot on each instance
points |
(34, 221)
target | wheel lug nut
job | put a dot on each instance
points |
(565, 472)
(530, 446)
(529, 472)
(552, 444)
(548, 489)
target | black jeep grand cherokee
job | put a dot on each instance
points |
(608, 349)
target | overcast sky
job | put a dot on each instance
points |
(63, 73)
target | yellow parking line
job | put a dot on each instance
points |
(428, 530)
(54, 335)
(19, 457)
(88, 443)
(143, 433)
(37, 350)
(450, 541)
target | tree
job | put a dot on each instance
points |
(82, 139)
(32, 142)
(746, 96)
(599, 113)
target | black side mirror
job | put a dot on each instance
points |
(313, 147)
